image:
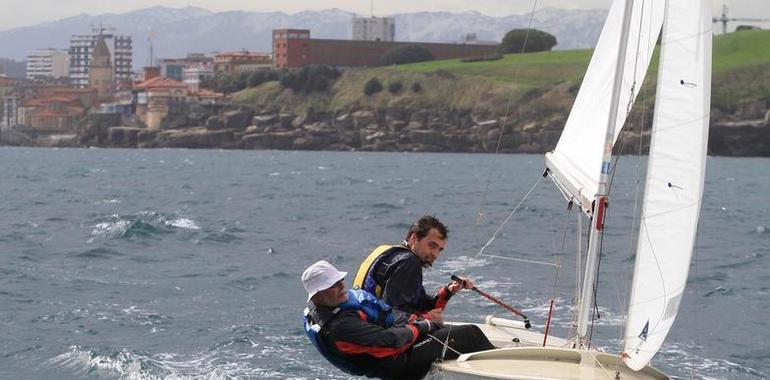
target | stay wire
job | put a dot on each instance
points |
(480, 214)
(501, 128)
(510, 215)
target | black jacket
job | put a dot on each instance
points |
(380, 351)
(400, 277)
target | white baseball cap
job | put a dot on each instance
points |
(320, 276)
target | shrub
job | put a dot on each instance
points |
(395, 87)
(416, 87)
(309, 79)
(406, 54)
(372, 87)
(519, 41)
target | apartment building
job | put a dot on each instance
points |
(81, 50)
(48, 63)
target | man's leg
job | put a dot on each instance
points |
(463, 339)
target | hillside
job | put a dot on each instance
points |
(530, 94)
(741, 61)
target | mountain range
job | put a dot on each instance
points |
(178, 31)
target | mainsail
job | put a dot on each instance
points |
(575, 164)
(675, 177)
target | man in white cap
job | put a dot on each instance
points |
(362, 335)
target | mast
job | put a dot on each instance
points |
(585, 307)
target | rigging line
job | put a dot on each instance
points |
(623, 298)
(522, 260)
(446, 345)
(510, 215)
(596, 360)
(596, 282)
(578, 281)
(491, 171)
(631, 97)
(695, 268)
(480, 213)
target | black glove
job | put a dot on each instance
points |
(425, 326)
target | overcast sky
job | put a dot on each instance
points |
(16, 13)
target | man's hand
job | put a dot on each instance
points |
(456, 286)
(435, 315)
(425, 326)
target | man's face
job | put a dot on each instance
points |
(428, 248)
(332, 296)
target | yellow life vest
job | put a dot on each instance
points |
(364, 278)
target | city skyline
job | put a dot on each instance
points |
(26, 13)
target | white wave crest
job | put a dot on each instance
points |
(183, 223)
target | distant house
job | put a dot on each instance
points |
(157, 96)
(54, 109)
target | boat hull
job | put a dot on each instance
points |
(522, 356)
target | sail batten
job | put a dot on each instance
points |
(675, 178)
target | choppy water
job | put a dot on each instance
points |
(170, 264)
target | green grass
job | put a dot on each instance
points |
(731, 51)
(742, 49)
(527, 70)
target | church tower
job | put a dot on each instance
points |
(100, 72)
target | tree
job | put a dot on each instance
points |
(406, 54)
(309, 79)
(535, 40)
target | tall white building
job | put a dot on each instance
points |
(82, 46)
(374, 28)
(49, 63)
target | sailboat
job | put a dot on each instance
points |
(581, 166)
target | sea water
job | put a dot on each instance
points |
(177, 264)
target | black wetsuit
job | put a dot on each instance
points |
(403, 351)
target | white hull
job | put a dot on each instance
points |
(521, 356)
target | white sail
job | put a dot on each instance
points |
(675, 177)
(575, 164)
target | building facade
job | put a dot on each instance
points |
(81, 50)
(193, 75)
(374, 28)
(8, 103)
(296, 41)
(241, 62)
(174, 68)
(48, 63)
(293, 48)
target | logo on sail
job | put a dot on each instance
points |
(643, 335)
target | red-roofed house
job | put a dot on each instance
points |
(155, 97)
(51, 114)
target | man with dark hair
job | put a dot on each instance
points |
(394, 272)
(362, 335)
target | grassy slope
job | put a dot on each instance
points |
(741, 62)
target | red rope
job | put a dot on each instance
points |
(548, 323)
